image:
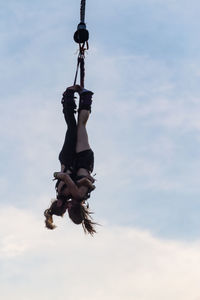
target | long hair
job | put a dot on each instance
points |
(49, 219)
(79, 213)
(54, 209)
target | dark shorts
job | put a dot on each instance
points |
(85, 160)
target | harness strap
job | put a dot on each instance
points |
(82, 72)
(81, 63)
(78, 63)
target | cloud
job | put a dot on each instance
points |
(116, 263)
(144, 125)
(141, 126)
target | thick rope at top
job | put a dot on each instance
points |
(81, 37)
(83, 2)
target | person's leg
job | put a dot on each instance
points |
(82, 143)
(67, 153)
(84, 112)
(66, 156)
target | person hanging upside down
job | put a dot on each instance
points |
(74, 182)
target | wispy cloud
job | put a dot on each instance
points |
(126, 262)
(144, 126)
(147, 128)
(143, 66)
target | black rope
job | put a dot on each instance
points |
(78, 63)
(82, 72)
(81, 37)
(83, 11)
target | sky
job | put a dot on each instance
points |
(143, 66)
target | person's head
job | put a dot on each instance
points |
(79, 214)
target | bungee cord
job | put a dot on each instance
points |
(81, 36)
(83, 2)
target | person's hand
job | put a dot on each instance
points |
(87, 183)
(59, 175)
